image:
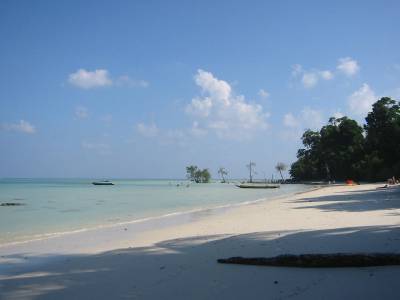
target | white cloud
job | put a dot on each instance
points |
(263, 93)
(360, 102)
(310, 78)
(200, 107)
(289, 120)
(90, 79)
(196, 130)
(100, 78)
(21, 126)
(348, 66)
(81, 112)
(147, 130)
(338, 115)
(218, 109)
(327, 75)
(311, 118)
(173, 136)
(297, 70)
(307, 118)
(218, 90)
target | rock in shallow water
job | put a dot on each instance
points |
(12, 204)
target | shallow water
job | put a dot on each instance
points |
(61, 205)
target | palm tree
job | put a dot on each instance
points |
(222, 172)
(280, 166)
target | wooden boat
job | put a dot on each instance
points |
(103, 182)
(251, 185)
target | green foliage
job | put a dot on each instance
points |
(280, 166)
(190, 171)
(340, 151)
(383, 139)
(222, 172)
(193, 173)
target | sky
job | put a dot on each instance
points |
(142, 89)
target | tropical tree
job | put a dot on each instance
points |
(204, 176)
(341, 149)
(191, 172)
(383, 139)
(222, 172)
(280, 166)
(197, 175)
(308, 165)
(336, 152)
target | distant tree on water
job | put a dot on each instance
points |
(222, 172)
(197, 175)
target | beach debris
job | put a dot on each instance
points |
(333, 260)
(12, 204)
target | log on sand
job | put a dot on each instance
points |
(335, 260)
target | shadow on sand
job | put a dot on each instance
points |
(356, 201)
(187, 269)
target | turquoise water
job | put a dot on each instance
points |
(61, 205)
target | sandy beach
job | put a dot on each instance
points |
(175, 257)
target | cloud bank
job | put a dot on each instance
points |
(219, 110)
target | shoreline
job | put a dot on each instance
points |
(50, 235)
(181, 255)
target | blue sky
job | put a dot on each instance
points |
(142, 89)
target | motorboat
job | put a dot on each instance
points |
(102, 182)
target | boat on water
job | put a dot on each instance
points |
(253, 185)
(102, 182)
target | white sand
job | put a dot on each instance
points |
(179, 261)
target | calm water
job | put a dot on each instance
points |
(61, 205)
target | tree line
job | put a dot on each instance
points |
(343, 149)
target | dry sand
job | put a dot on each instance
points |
(178, 261)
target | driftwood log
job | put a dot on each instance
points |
(335, 260)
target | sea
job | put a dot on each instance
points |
(50, 207)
